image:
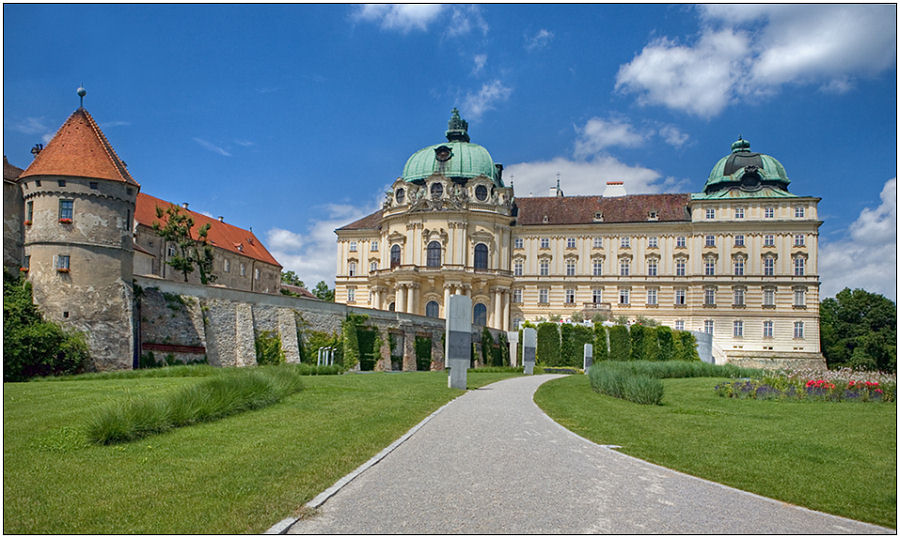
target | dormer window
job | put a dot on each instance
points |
(653, 215)
(481, 193)
(546, 219)
(598, 217)
(437, 190)
(400, 195)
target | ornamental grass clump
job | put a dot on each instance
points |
(228, 393)
(613, 380)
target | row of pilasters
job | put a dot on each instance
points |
(407, 299)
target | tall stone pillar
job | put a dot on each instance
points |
(409, 350)
(412, 299)
(506, 301)
(446, 304)
(401, 298)
(376, 298)
(498, 299)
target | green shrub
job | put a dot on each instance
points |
(637, 342)
(311, 369)
(228, 393)
(148, 360)
(686, 348)
(568, 355)
(504, 349)
(666, 344)
(268, 349)
(350, 343)
(369, 347)
(320, 339)
(487, 343)
(548, 353)
(601, 353)
(619, 343)
(608, 379)
(651, 344)
(423, 353)
(581, 335)
(681, 369)
(33, 347)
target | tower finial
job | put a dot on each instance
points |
(81, 93)
(458, 128)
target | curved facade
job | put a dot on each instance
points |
(738, 260)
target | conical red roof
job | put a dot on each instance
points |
(79, 149)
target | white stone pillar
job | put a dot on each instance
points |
(376, 298)
(401, 298)
(498, 299)
(446, 304)
(506, 300)
(412, 300)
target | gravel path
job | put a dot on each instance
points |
(493, 462)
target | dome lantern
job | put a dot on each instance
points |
(457, 128)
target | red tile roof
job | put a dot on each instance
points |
(79, 149)
(10, 172)
(221, 234)
(299, 290)
(582, 209)
(369, 222)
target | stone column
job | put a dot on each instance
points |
(513, 339)
(506, 301)
(376, 298)
(401, 298)
(437, 351)
(467, 290)
(446, 304)
(412, 299)
(497, 322)
(409, 350)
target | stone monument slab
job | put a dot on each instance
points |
(458, 346)
(529, 348)
(588, 357)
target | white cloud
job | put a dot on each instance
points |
(401, 17)
(599, 134)
(475, 105)
(867, 256)
(30, 125)
(465, 19)
(673, 136)
(744, 51)
(212, 147)
(244, 143)
(480, 60)
(539, 40)
(115, 123)
(312, 253)
(580, 177)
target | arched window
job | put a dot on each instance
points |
(434, 254)
(479, 314)
(395, 256)
(391, 307)
(431, 309)
(481, 256)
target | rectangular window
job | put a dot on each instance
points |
(545, 268)
(570, 268)
(799, 240)
(799, 212)
(623, 295)
(62, 263)
(799, 298)
(680, 241)
(243, 270)
(351, 295)
(739, 297)
(768, 329)
(651, 296)
(652, 215)
(61, 182)
(709, 297)
(570, 296)
(680, 296)
(597, 296)
(769, 240)
(256, 274)
(351, 269)
(29, 212)
(769, 212)
(373, 246)
(598, 242)
(624, 267)
(710, 214)
(798, 329)
(799, 266)
(679, 324)
(545, 242)
(739, 240)
(517, 295)
(768, 266)
(709, 266)
(738, 329)
(598, 268)
(651, 268)
(518, 243)
(65, 210)
(543, 296)
(517, 268)
(625, 242)
(739, 266)
(93, 185)
(768, 297)
(708, 326)
(739, 212)
(26, 263)
(226, 266)
(373, 266)
(352, 246)
(652, 241)
(710, 240)
(570, 242)
(679, 267)
(170, 251)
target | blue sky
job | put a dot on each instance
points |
(293, 119)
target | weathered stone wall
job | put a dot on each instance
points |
(774, 360)
(13, 222)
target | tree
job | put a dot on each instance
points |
(322, 291)
(290, 277)
(859, 329)
(190, 252)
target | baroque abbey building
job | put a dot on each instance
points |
(737, 260)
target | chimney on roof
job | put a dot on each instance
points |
(184, 205)
(221, 219)
(614, 189)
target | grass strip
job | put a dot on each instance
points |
(192, 370)
(835, 457)
(221, 395)
(680, 369)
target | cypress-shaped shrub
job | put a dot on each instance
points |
(637, 342)
(601, 351)
(666, 344)
(487, 343)
(581, 335)
(504, 349)
(651, 344)
(548, 352)
(619, 343)
(350, 343)
(687, 346)
(567, 345)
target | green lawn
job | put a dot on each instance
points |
(240, 474)
(839, 458)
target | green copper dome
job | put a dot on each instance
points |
(456, 158)
(744, 174)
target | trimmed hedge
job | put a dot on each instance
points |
(548, 344)
(619, 343)
(601, 351)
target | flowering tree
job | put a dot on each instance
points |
(190, 252)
